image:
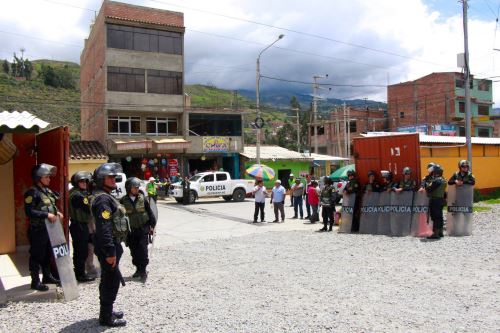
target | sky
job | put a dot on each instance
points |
(362, 45)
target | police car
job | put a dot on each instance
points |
(214, 184)
(120, 187)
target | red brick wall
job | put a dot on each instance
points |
(143, 14)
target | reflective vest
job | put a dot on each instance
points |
(151, 188)
(77, 214)
(121, 226)
(137, 214)
(47, 203)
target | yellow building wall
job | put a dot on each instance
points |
(83, 165)
(7, 210)
(485, 159)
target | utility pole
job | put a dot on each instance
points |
(467, 86)
(348, 155)
(315, 108)
(344, 130)
(337, 129)
(298, 129)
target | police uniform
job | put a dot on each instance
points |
(79, 212)
(353, 187)
(466, 177)
(327, 199)
(372, 187)
(406, 185)
(436, 192)
(38, 203)
(141, 220)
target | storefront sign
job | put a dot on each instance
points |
(215, 144)
(413, 129)
(173, 167)
(444, 129)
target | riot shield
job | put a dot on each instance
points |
(420, 226)
(154, 208)
(369, 213)
(3, 293)
(348, 201)
(60, 249)
(384, 215)
(401, 213)
(459, 216)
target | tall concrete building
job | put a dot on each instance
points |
(435, 104)
(132, 87)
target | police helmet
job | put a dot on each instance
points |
(104, 170)
(351, 173)
(41, 170)
(371, 173)
(438, 170)
(431, 165)
(327, 180)
(463, 163)
(386, 174)
(406, 171)
(132, 182)
(80, 175)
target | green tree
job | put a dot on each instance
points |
(57, 77)
(6, 67)
(28, 69)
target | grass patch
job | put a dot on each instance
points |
(479, 209)
(491, 201)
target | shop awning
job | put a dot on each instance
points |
(166, 144)
(132, 144)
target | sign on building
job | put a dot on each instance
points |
(214, 144)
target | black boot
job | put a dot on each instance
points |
(36, 284)
(330, 227)
(136, 274)
(49, 279)
(106, 319)
(143, 276)
(84, 278)
(118, 314)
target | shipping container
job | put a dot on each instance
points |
(391, 153)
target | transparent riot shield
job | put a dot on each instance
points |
(384, 214)
(348, 201)
(420, 223)
(60, 249)
(401, 213)
(369, 213)
(459, 216)
(3, 293)
(154, 209)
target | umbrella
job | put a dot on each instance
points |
(342, 172)
(261, 171)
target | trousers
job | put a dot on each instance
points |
(436, 212)
(80, 236)
(327, 215)
(138, 244)
(297, 206)
(39, 249)
(279, 207)
(110, 281)
(259, 206)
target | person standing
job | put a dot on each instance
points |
(111, 229)
(463, 175)
(79, 213)
(186, 188)
(386, 181)
(39, 205)
(291, 182)
(297, 190)
(352, 187)
(436, 190)
(372, 185)
(313, 198)
(259, 192)
(278, 200)
(152, 189)
(308, 206)
(142, 224)
(427, 179)
(327, 199)
(405, 184)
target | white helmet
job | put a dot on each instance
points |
(152, 179)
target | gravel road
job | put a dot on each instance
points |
(298, 281)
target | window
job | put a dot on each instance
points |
(161, 126)
(208, 178)
(164, 82)
(401, 115)
(126, 79)
(461, 107)
(460, 83)
(483, 85)
(483, 110)
(461, 131)
(140, 39)
(483, 132)
(215, 124)
(352, 126)
(221, 177)
(124, 125)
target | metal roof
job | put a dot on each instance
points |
(87, 150)
(320, 157)
(424, 138)
(20, 121)
(274, 153)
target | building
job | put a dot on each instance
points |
(85, 156)
(132, 88)
(435, 105)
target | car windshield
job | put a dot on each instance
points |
(195, 178)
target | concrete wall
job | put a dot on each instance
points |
(7, 209)
(145, 60)
(83, 165)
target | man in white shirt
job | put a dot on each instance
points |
(259, 192)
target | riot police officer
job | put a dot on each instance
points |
(111, 230)
(39, 205)
(386, 181)
(406, 183)
(372, 185)
(427, 179)
(436, 192)
(327, 199)
(142, 224)
(352, 187)
(463, 175)
(79, 212)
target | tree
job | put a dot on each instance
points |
(28, 69)
(57, 77)
(6, 67)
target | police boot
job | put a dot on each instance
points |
(435, 234)
(440, 233)
(118, 314)
(136, 274)
(330, 226)
(84, 278)
(49, 279)
(143, 276)
(36, 284)
(111, 322)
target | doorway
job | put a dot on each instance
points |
(284, 175)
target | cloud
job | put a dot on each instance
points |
(426, 36)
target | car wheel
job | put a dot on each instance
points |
(192, 197)
(239, 195)
(179, 200)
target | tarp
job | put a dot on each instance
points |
(369, 213)
(384, 215)
(401, 213)
(420, 217)
(60, 249)
(459, 216)
(348, 201)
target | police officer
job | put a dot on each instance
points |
(79, 212)
(186, 188)
(142, 224)
(327, 199)
(436, 191)
(386, 181)
(405, 184)
(111, 230)
(463, 175)
(353, 187)
(39, 205)
(427, 179)
(372, 185)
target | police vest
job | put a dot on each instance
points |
(352, 186)
(326, 196)
(47, 203)
(467, 178)
(77, 214)
(370, 187)
(407, 185)
(137, 214)
(439, 192)
(121, 226)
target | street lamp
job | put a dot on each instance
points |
(257, 99)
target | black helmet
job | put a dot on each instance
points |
(80, 175)
(438, 170)
(106, 169)
(371, 173)
(41, 170)
(327, 180)
(386, 174)
(463, 163)
(406, 171)
(132, 182)
(351, 173)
